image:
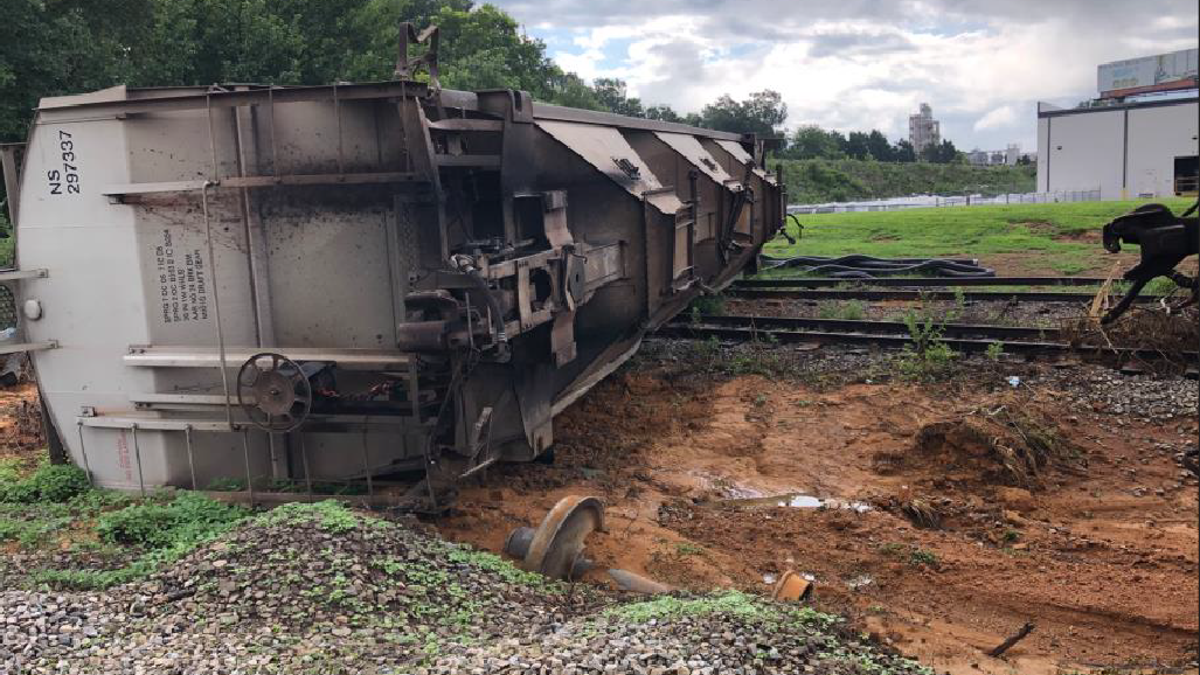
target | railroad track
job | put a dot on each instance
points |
(923, 282)
(752, 292)
(960, 337)
(773, 323)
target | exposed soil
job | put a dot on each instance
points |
(21, 436)
(1093, 538)
(1100, 265)
(1092, 236)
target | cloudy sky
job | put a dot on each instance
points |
(861, 64)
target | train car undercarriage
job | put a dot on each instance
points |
(283, 285)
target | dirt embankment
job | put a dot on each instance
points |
(21, 438)
(962, 516)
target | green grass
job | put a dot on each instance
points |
(1039, 230)
(6, 243)
(50, 483)
(29, 528)
(162, 529)
(38, 505)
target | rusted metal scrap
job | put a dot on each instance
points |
(1014, 639)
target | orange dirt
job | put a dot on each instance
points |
(21, 425)
(1109, 578)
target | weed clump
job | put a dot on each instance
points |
(329, 515)
(929, 358)
(911, 554)
(184, 521)
(53, 483)
(160, 530)
(848, 310)
(706, 304)
(1007, 444)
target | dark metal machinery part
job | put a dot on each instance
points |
(867, 267)
(277, 398)
(1164, 239)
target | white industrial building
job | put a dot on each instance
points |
(1139, 139)
(1136, 149)
(1009, 156)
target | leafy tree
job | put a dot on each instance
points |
(570, 90)
(662, 112)
(612, 94)
(50, 47)
(904, 151)
(943, 153)
(760, 114)
(857, 145)
(53, 47)
(813, 142)
(879, 147)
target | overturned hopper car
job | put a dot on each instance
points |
(303, 284)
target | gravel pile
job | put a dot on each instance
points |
(302, 588)
(321, 589)
(729, 634)
(42, 627)
(1142, 397)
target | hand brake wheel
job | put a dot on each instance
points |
(274, 392)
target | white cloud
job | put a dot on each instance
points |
(862, 64)
(1004, 116)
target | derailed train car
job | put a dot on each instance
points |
(297, 284)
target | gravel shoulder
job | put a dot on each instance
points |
(319, 588)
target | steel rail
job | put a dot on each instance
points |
(875, 327)
(734, 333)
(822, 282)
(826, 294)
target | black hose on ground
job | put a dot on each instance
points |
(867, 267)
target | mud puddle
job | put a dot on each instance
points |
(967, 534)
(796, 500)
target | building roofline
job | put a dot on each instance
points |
(1062, 112)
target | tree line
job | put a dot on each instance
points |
(813, 142)
(52, 47)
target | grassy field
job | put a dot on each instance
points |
(1017, 239)
(815, 181)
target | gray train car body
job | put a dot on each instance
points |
(336, 282)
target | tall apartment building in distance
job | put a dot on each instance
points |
(923, 130)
